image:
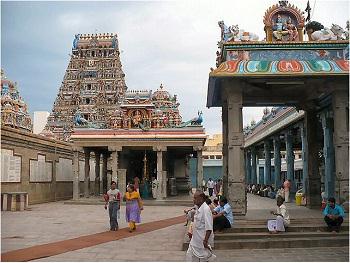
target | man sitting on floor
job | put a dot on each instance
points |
(334, 215)
(223, 217)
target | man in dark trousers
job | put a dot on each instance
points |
(333, 215)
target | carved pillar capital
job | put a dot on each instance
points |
(114, 148)
(159, 148)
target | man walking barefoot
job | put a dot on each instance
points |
(200, 247)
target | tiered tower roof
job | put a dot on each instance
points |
(14, 112)
(93, 85)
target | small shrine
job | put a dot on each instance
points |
(284, 69)
(284, 22)
(145, 110)
(14, 111)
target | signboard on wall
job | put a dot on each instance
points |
(40, 170)
(64, 170)
(10, 167)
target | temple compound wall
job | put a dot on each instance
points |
(40, 166)
(34, 164)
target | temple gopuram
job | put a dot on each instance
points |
(92, 88)
(285, 70)
(14, 111)
(127, 133)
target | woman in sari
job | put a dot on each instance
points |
(133, 207)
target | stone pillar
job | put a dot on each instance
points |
(313, 180)
(97, 173)
(76, 173)
(340, 104)
(304, 154)
(267, 168)
(161, 176)
(253, 173)
(277, 160)
(290, 159)
(104, 172)
(199, 150)
(122, 180)
(328, 152)
(236, 193)
(248, 167)
(224, 148)
(101, 175)
(87, 173)
(114, 162)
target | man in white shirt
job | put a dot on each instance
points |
(200, 247)
(282, 218)
(210, 186)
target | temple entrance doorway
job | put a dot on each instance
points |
(139, 162)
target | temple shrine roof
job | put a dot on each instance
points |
(283, 57)
(14, 112)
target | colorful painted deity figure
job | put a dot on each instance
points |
(75, 41)
(292, 30)
(279, 28)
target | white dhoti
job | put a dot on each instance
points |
(278, 224)
(194, 254)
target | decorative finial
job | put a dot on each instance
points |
(283, 3)
(161, 85)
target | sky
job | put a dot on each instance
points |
(168, 42)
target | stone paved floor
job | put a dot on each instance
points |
(165, 245)
(55, 221)
(51, 222)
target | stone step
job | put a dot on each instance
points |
(282, 242)
(267, 236)
(291, 228)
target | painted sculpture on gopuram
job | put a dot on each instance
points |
(14, 111)
(283, 22)
(94, 95)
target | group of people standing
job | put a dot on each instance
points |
(213, 187)
(134, 206)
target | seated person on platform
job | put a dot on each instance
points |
(333, 215)
(266, 191)
(261, 190)
(282, 218)
(271, 194)
(222, 216)
(253, 189)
